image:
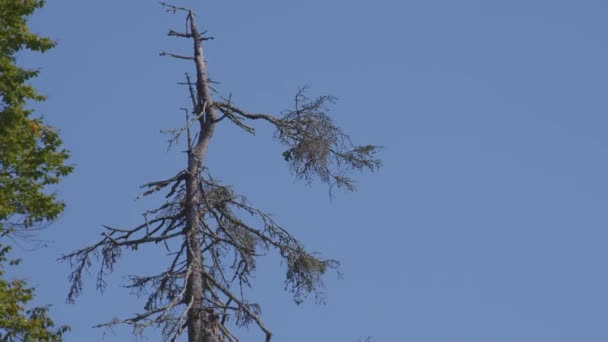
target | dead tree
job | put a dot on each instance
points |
(214, 235)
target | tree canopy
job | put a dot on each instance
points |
(31, 156)
(31, 159)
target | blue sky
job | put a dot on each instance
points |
(487, 222)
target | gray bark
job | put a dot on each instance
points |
(196, 156)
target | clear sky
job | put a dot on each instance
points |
(488, 221)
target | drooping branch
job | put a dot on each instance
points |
(316, 147)
(242, 306)
(304, 270)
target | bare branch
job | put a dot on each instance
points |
(243, 307)
(226, 107)
(173, 9)
(179, 34)
(176, 56)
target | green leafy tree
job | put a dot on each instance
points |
(31, 159)
(17, 323)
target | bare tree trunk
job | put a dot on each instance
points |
(207, 117)
(194, 290)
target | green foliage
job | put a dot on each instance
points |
(16, 322)
(31, 157)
